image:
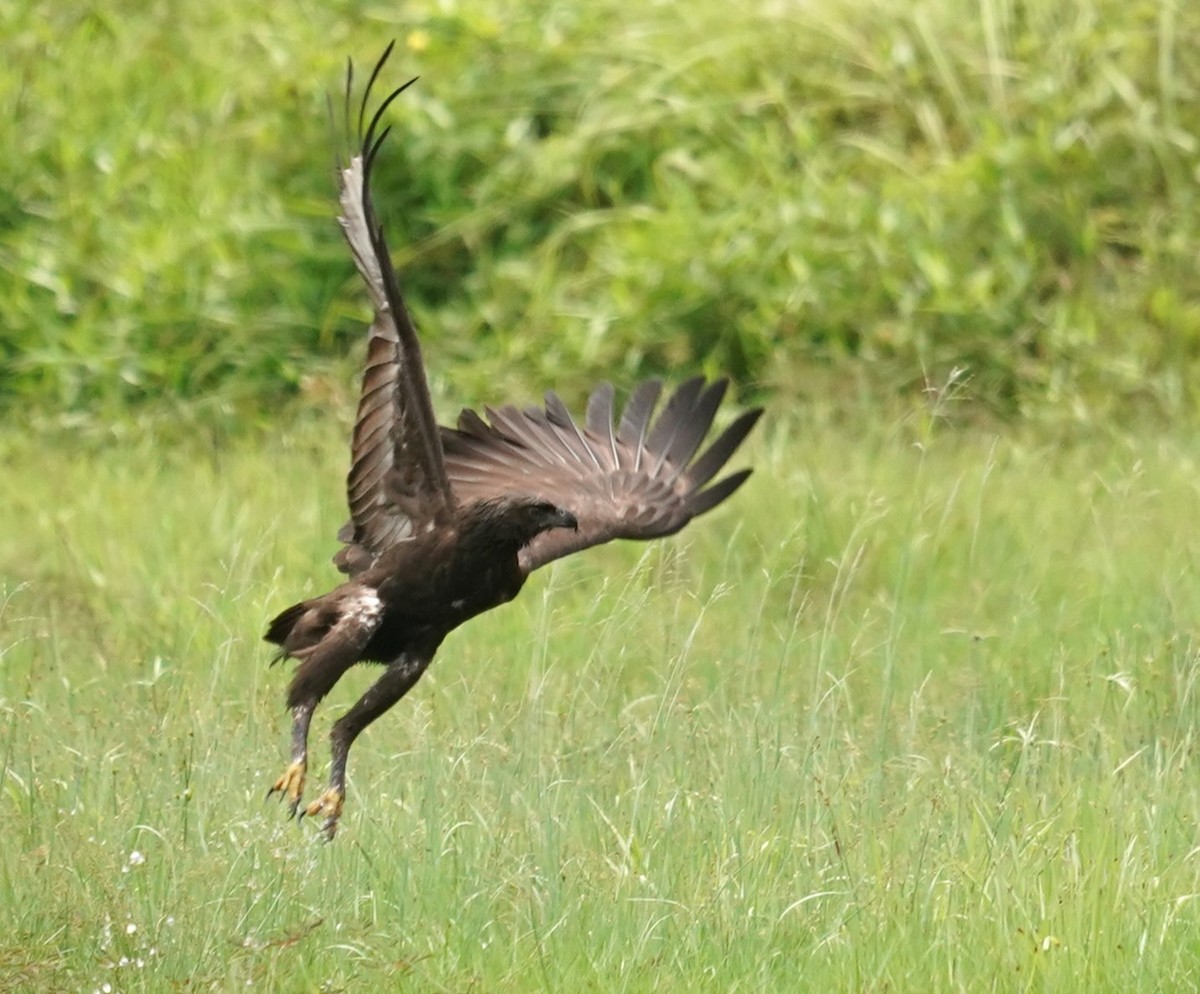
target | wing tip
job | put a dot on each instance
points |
(703, 501)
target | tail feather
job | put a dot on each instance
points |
(328, 634)
(281, 627)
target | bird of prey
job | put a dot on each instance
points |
(446, 523)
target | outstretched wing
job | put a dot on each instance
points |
(397, 484)
(638, 479)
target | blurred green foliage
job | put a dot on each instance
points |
(839, 199)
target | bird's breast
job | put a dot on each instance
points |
(446, 584)
(484, 588)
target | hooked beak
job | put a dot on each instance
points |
(567, 520)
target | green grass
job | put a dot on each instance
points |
(916, 712)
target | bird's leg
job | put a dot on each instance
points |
(291, 783)
(397, 680)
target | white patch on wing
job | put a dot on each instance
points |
(363, 609)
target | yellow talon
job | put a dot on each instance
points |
(291, 784)
(330, 805)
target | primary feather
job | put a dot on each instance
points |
(638, 482)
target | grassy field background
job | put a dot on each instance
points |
(918, 712)
(915, 712)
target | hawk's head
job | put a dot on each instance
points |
(516, 521)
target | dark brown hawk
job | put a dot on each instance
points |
(446, 523)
